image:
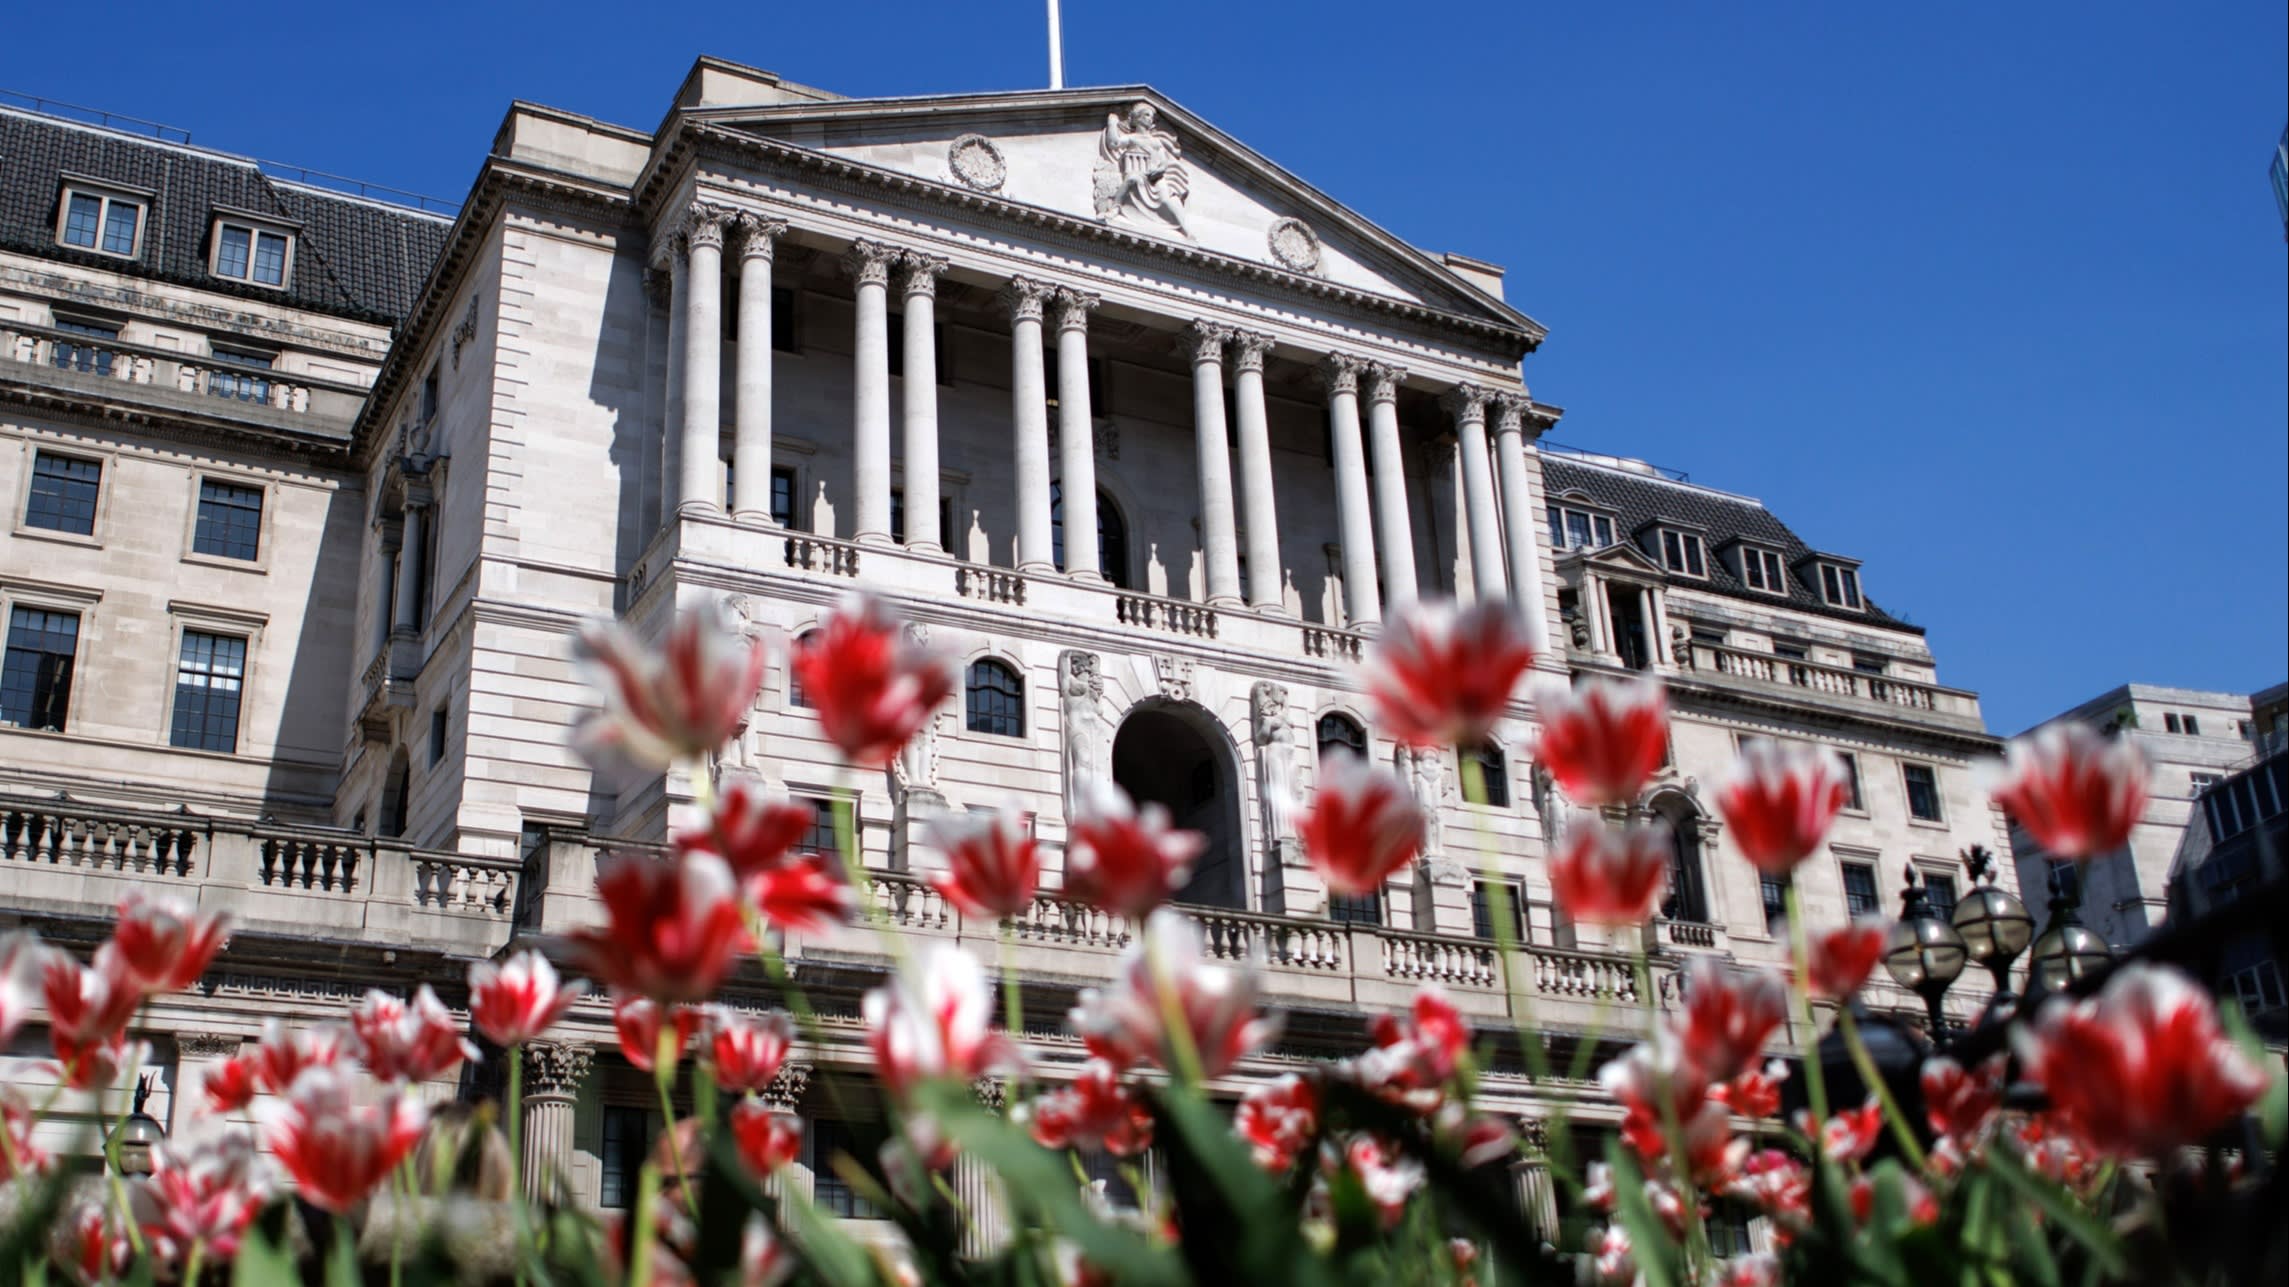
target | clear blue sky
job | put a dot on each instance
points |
(1991, 296)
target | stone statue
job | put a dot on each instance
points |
(1425, 769)
(1275, 759)
(1081, 690)
(1550, 802)
(916, 766)
(1140, 176)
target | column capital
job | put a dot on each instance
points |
(1510, 412)
(557, 1067)
(701, 226)
(207, 1045)
(868, 262)
(1073, 308)
(1248, 349)
(1340, 372)
(1383, 381)
(1206, 340)
(1466, 402)
(784, 1092)
(757, 235)
(1025, 297)
(922, 272)
(991, 1093)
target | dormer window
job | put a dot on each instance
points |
(1682, 553)
(1840, 586)
(245, 251)
(1575, 528)
(101, 220)
(1761, 570)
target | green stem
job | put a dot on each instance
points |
(664, 1078)
(1012, 1002)
(516, 1126)
(111, 1153)
(1800, 983)
(1506, 944)
(1909, 1148)
(1673, 1131)
(647, 1219)
(1180, 1048)
(195, 1263)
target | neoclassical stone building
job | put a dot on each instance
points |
(1143, 429)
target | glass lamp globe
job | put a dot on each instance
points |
(1995, 926)
(2066, 952)
(1924, 954)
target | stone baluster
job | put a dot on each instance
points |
(920, 423)
(700, 462)
(1218, 531)
(1077, 435)
(1363, 602)
(1030, 407)
(869, 265)
(1256, 487)
(1468, 403)
(554, 1072)
(1519, 513)
(1394, 531)
(751, 371)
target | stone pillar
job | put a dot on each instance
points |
(1468, 403)
(196, 1054)
(1219, 536)
(1263, 521)
(1518, 518)
(700, 463)
(1363, 603)
(658, 321)
(751, 371)
(869, 265)
(920, 425)
(978, 1188)
(1394, 531)
(554, 1071)
(1537, 1195)
(672, 399)
(1077, 435)
(784, 1094)
(408, 616)
(1030, 405)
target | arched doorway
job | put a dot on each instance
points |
(1176, 757)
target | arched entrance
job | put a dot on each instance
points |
(1175, 756)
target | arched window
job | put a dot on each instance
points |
(1341, 731)
(1493, 772)
(795, 681)
(995, 698)
(1688, 898)
(1112, 535)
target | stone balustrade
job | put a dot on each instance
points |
(113, 370)
(1908, 696)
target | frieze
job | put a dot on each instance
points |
(208, 1045)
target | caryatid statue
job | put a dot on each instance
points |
(1140, 176)
(1080, 699)
(1275, 760)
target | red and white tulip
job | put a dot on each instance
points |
(638, 1022)
(281, 1056)
(164, 943)
(1842, 959)
(672, 926)
(1602, 741)
(1611, 875)
(1277, 1120)
(1123, 859)
(231, 1085)
(1439, 675)
(935, 1023)
(746, 1053)
(1166, 970)
(678, 702)
(202, 1195)
(338, 1146)
(415, 1042)
(2076, 791)
(768, 1141)
(518, 999)
(1780, 801)
(993, 865)
(1728, 1015)
(1094, 1112)
(1363, 825)
(806, 894)
(873, 688)
(751, 831)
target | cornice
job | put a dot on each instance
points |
(179, 426)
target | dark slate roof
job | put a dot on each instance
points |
(354, 257)
(1639, 499)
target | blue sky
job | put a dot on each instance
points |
(1990, 296)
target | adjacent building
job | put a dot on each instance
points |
(2236, 840)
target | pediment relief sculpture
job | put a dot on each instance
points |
(1140, 177)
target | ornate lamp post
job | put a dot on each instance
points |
(1924, 954)
(2067, 949)
(1994, 925)
(132, 1141)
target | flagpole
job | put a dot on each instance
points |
(1056, 48)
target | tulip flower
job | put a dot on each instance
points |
(281, 1056)
(873, 688)
(202, 1195)
(1842, 959)
(672, 926)
(1779, 803)
(746, 1053)
(337, 1148)
(681, 701)
(23, 971)
(993, 866)
(935, 1024)
(231, 1084)
(19, 1154)
(1848, 1135)
(1753, 1093)
(164, 944)
(1127, 1023)
(88, 1004)
(1388, 1176)
(1611, 875)
(638, 1020)
(405, 1042)
(768, 1141)
(753, 833)
(518, 999)
(2078, 793)
(1602, 741)
(1277, 1120)
(1094, 1112)
(806, 894)
(1439, 675)
(1362, 827)
(1728, 1015)
(1960, 1101)
(1123, 859)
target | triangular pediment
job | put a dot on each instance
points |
(1622, 556)
(1160, 172)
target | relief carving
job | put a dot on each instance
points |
(1140, 177)
(1275, 759)
(916, 766)
(976, 163)
(1081, 691)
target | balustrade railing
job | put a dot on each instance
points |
(807, 553)
(1333, 644)
(1176, 616)
(1833, 681)
(993, 585)
(463, 883)
(1688, 933)
(61, 833)
(1425, 958)
(108, 358)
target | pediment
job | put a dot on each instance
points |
(1622, 557)
(1131, 159)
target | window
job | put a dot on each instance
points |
(1774, 891)
(1579, 529)
(995, 697)
(1852, 797)
(230, 520)
(819, 837)
(2170, 722)
(626, 1136)
(2066, 881)
(2193, 726)
(1922, 792)
(1356, 909)
(1493, 773)
(1840, 586)
(102, 222)
(1939, 894)
(429, 398)
(36, 680)
(783, 336)
(2247, 799)
(243, 376)
(1341, 732)
(898, 515)
(1112, 535)
(1869, 664)
(1485, 900)
(68, 355)
(830, 1192)
(208, 678)
(1682, 552)
(937, 351)
(64, 489)
(2247, 972)
(246, 253)
(783, 495)
(1687, 899)
(439, 722)
(1096, 369)
(1761, 570)
(1106, 1170)
(1861, 897)
(794, 677)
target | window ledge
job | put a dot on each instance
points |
(258, 566)
(1929, 824)
(87, 540)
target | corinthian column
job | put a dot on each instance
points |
(1394, 532)
(1468, 403)
(700, 464)
(1030, 407)
(1077, 434)
(1264, 566)
(1518, 517)
(869, 263)
(1363, 604)
(751, 371)
(921, 423)
(672, 398)
(1217, 530)
(554, 1071)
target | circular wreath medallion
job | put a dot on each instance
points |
(977, 162)
(1295, 246)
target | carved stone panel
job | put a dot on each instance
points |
(976, 163)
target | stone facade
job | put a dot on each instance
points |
(790, 346)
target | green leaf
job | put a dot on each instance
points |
(2063, 1211)
(262, 1261)
(1649, 1241)
(2273, 1105)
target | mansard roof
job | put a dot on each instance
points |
(1645, 502)
(354, 257)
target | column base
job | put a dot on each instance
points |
(925, 547)
(1087, 577)
(758, 517)
(1269, 609)
(1039, 567)
(699, 508)
(1226, 601)
(873, 538)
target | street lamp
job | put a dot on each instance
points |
(132, 1141)
(1994, 925)
(2068, 949)
(1924, 953)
